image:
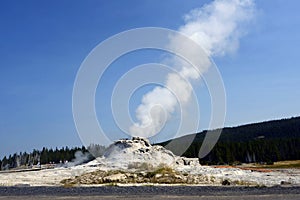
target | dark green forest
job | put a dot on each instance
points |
(264, 142)
(62, 156)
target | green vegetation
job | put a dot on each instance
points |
(49, 156)
(161, 170)
(161, 175)
(282, 164)
(265, 143)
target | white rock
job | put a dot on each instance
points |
(115, 178)
(139, 152)
(124, 153)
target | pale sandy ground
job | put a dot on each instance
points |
(47, 177)
(125, 153)
(52, 177)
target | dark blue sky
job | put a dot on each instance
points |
(42, 45)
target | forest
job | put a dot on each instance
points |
(64, 156)
(264, 142)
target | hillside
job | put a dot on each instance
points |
(259, 142)
(265, 142)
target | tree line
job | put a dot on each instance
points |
(51, 156)
(264, 142)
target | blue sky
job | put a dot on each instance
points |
(42, 45)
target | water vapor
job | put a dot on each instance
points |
(217, 27)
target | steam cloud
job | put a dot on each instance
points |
(79, 159)
(217, 28)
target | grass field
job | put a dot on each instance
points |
(278, 165)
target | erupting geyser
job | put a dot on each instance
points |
(217, 27)
(132, 153)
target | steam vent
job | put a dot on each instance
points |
(136, 161)
(126, 153)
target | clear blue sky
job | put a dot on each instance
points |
(42, 45)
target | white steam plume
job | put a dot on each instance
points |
(217, 28)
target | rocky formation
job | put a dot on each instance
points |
(137, 161)
(164, 175)
(138, 152)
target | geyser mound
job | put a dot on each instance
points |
(136, 161)
(138, 152)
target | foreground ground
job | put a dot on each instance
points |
(246, 197)
(151, 192)
(136, 161)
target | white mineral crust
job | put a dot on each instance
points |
(138, 152)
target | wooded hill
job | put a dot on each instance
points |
(264, 142)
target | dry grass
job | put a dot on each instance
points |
(265, 168)
(163, 170)
(161, 174)
(280, 165)
(68, 185)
